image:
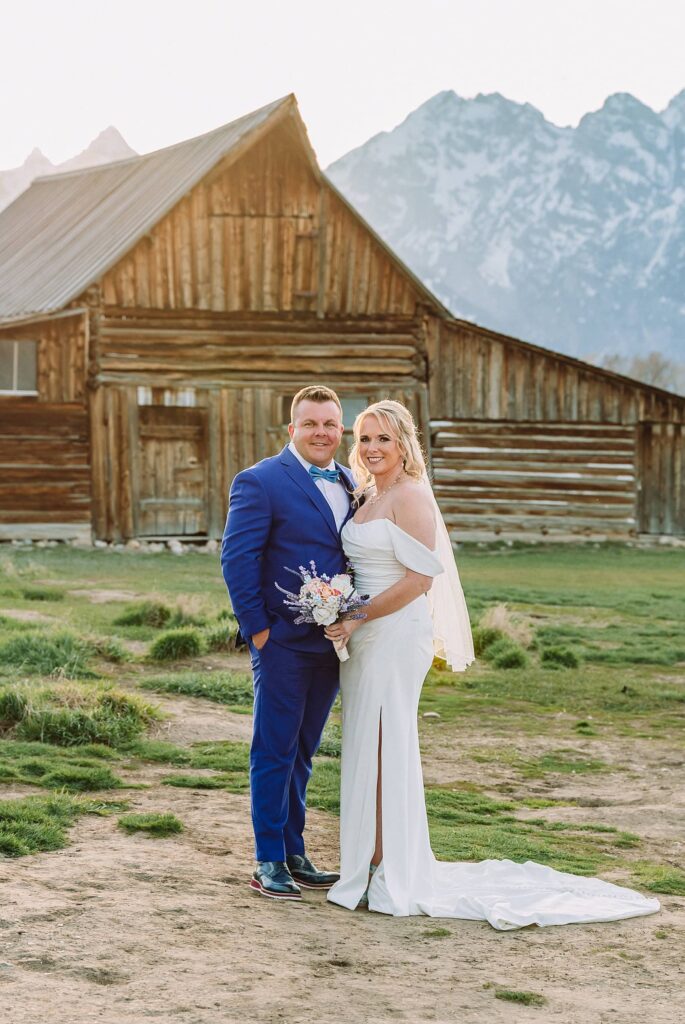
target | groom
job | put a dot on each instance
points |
(285, 512)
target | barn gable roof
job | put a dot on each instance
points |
(66, 230)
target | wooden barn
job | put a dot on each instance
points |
(157, 314)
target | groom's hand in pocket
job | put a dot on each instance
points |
(259, 639)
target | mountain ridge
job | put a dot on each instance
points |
(109, 145)
(572, 238)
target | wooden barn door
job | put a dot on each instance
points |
(173, 468)
(661, 478)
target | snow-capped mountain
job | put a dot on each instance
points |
(109, 145)
(573, 238)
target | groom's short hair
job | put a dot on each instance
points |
(314, 393)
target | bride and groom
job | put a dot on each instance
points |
(382, 518)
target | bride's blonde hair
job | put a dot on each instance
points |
(397, 421)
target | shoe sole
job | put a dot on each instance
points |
(258, 887)
(314, 885)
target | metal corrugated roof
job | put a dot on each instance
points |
(66, 230)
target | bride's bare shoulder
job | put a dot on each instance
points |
(413, 511)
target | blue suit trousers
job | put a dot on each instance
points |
(294, 691)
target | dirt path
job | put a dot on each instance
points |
(124, 929)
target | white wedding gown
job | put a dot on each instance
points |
(382, 680)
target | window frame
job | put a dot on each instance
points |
(15, 391)
(287, 398)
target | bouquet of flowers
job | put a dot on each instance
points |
(323, 599)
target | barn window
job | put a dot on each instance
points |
(185, 397)
(351, 409)
(18, 362)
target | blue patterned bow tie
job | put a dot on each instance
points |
(324, 474)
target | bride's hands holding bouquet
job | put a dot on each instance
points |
(341, 631)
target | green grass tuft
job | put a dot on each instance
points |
(42, 594)
(222, 637)
(222, 756)
(158, 825)
(37, 824)
(506, 655)
(176, 645)
(80, 779)
(232, 688)
(109, 649)
(562, 657)
(158, 751)
(485, 637)
(660, 878)
(200, 781)
(77, 769)
(145, 613)
(68, 715)
(524, 998)
(57, 654)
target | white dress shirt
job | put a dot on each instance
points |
(334, 493)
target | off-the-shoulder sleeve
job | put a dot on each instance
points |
(411, 552)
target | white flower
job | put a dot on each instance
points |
(343, 583)
(325, 616)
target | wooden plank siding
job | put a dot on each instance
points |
(661, 468)
(476, 374)
(44, 468)
(266, 234)
(186, 491)
(61, 358)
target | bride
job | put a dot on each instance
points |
(399, 548)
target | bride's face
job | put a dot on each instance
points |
(379, 450)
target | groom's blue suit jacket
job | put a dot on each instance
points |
(278, 519)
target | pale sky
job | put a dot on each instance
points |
(165, 70)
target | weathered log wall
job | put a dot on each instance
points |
(44, 448)
(44, 468)
(551, 478)
(196, 349)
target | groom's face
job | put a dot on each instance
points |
(316, 431)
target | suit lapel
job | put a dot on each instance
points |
(348, 484)
(299, 475)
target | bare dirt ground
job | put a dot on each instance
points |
(124, 929)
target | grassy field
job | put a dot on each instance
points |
(579, 647)
(124, 806)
